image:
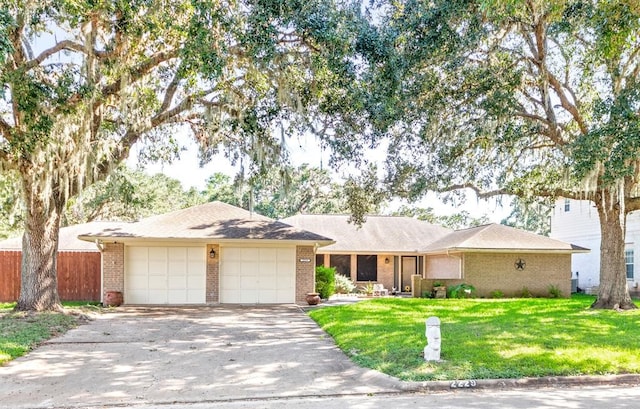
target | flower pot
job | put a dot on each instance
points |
(313, 298)
(112, 299)
(440, 292)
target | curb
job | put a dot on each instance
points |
(502, 384)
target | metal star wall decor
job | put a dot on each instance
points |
(520, 264)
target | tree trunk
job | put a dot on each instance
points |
(613, 292)
(39, 279)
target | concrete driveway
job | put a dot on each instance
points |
(138, 355)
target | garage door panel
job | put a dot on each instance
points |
(158, 283)
(177, 282)
(268, 296)
(230, 283)
(157, 296)
(195, 282)
(165, 275)
(257, 275)
(178, 297)
(249, 282)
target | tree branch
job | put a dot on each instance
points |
(566, 104)
(141, 70)
(5, 129)
(632, 204)
(63, 45)
(479, 193)
(171, 91)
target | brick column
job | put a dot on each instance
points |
(113, 267)
(213, 275)
(305, 272)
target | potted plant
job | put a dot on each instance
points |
(439, 290)
(313, 298)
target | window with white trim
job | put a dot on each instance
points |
(628, 261)
(567, 205)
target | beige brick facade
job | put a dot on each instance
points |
(213, 275)
(385, 271)
(489, 272)
(384, 265)
(113, 268)
(305, 272)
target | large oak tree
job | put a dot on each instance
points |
(81, 82)
(522, 97)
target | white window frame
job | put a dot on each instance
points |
(629, 260)
(567, 205)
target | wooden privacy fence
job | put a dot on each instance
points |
(78, 276)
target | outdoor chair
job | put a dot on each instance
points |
(379, 290)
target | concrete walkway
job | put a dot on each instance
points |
(138, 355)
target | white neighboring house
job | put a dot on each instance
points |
(576, 221)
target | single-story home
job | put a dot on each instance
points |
(79, 265)
(385, 249)
(410, 255)
(211, 253)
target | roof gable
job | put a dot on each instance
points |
(499, 237)
(213, 220)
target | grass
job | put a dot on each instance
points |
(485, 339)
(22, 332)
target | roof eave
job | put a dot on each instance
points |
(504, 250)
(201, 240)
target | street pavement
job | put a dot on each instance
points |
(609, 397)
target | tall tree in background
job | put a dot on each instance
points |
(11, 208)
(532, 214)
(456, 221)
(129, 195)
(281, 193)
(81, 82)
(522, 97)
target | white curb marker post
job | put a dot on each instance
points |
(432, 332)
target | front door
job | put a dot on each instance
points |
(409, 268)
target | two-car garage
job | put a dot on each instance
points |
(207, 254)
(177, 275)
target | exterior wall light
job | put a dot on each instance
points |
(212, 253)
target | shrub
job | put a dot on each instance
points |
(497, 294)
(343, 284)
(461, 291)
(554, 291)
(325, 281)
(525, 293)
(367, 289)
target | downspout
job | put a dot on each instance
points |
(100, 246)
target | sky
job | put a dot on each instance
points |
(188, 171)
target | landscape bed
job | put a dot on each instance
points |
(486, 338)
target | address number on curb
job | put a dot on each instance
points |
(463, 384)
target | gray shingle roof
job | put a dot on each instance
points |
(499, 237)
(209, 221)
(68, 237)
(379, 234)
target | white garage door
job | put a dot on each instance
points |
(257, 275)
(165, 275)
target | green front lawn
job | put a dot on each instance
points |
(484, 339)
(21, 332)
